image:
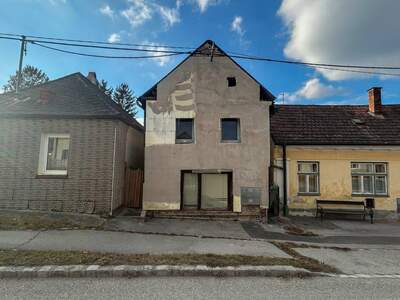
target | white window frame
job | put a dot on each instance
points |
(372, 174)
(44, 146)
(308, 177)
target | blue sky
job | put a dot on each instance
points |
(322, 31)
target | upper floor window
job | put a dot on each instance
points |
(308, 175)
(54, 152)
(184, 131)
(231, 81)
(369, 178)
(230, 130)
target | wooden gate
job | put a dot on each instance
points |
(133, 188)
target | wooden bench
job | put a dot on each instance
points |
(345, 207)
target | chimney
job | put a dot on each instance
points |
(375, 100)
(92, 77)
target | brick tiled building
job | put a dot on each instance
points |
(64, 146)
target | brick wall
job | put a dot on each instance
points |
(88, 186)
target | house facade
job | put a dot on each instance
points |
(207, 141)
(64, 147)
(337, 152)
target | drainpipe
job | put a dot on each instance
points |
(113, 171)
(285, 208)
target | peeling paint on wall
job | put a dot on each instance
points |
(160, 119)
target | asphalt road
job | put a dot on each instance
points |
(201, 288)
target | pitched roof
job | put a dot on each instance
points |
(335, 125)
(72, 96)
(205, 49)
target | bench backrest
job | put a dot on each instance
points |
(341, 202)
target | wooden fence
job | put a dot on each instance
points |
(133, 188)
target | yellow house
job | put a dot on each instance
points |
(337, 152)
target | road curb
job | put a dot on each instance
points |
(80, 271)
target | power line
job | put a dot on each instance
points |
(98, 42)
(79, 43)
(104, 56)
(359, 71)
(312, 64)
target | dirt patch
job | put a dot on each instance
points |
(298, 245)
(295, 230)
(39, 258)
(15, 220)
(304, 261)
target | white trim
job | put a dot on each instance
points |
(113, 172)
(338, 147)
(44, 146)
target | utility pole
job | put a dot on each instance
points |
(21, 57)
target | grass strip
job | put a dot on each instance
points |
(40, 258)
(304, 261)
(38, 221)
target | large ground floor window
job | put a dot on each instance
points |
(206, 190)
(369, 178)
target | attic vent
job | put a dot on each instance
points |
(358, 121)
(231, 81)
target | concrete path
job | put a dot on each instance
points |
(205, 228)
(361, 261)
(257, 231)
(123, 242)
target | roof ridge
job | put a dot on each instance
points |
(42, 84)
(109, 102)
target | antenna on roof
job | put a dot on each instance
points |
(283, 97)
(212, 51)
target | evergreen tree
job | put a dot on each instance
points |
(30, 76)
(124, 96)
(103, 85)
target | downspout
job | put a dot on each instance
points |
(285, 208)
(113, 171)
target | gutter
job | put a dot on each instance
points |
(285, 207)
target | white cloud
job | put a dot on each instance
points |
(363, 32)
(138, 12)
(314, 89)
(170, 16)
(204, 4)
(162, 60)
(107, 11)
(114, 38)
(141, 11)
(236, 25)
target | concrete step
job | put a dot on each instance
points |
(206, 215)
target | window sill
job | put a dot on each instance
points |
(370, 195)
(177, 142)
(230, 142)
(308, 194)
(47, 176)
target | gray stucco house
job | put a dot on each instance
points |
(64, 146)
(207, 143)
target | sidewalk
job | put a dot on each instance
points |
(132, 243)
